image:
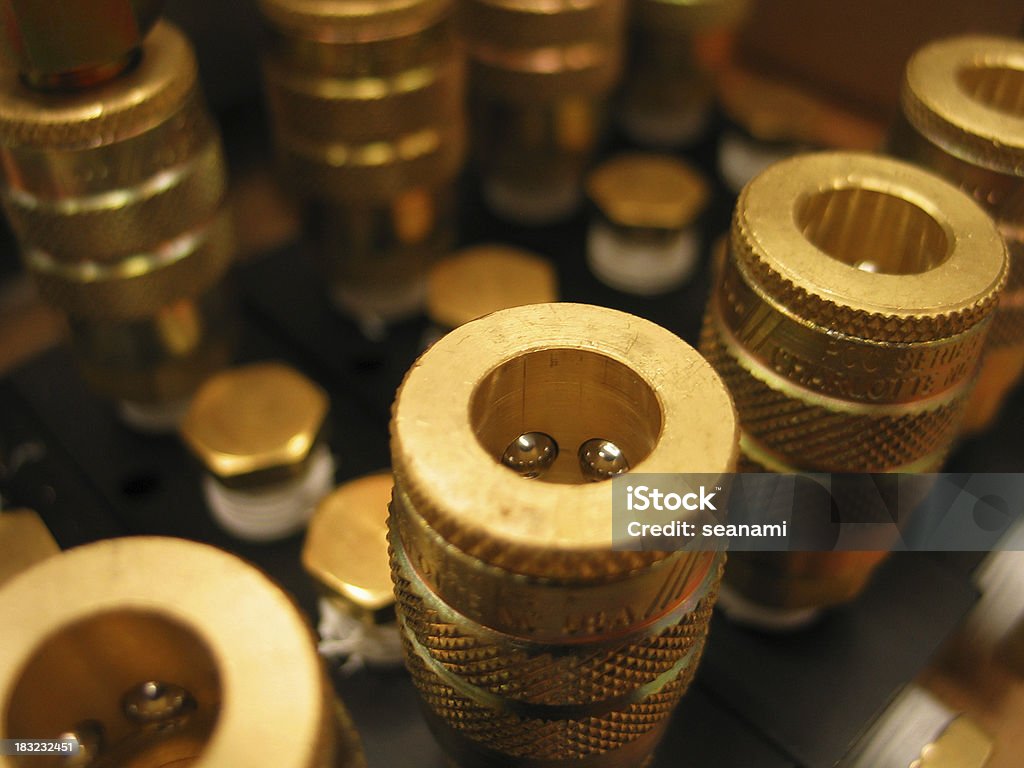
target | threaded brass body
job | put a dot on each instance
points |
(368, 118)
(848, 317)
(963, 118)
(116, 193)
(528, 637)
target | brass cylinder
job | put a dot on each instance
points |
(366, 104)
(539, 78)
(667, 93)
(156, 652)
(530, 640)
(116, 193)
(963, 118)
(847, 317)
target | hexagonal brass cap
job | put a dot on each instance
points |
(68, 44)
(647, 191)
(255, 424)
(346, 549)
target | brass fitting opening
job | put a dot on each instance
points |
(127, 651)
(572, 395)
(998, 87)
(873, 231)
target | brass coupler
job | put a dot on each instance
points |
(114, 183)
(963, 118)
(530, 639)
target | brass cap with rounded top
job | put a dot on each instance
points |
(485, 278)
(255, 423)
(647, 191)
(100, 620)
(346, 549)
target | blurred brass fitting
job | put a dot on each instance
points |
(540, 77)
(643, 238)
(155, 652)
(476, 281)
(530, 640)
(73, 45)
(258, 431)
(116, 193)
(346, 554)
(770, 119)
(917, 730)
(24, 541)
(667, 93)
(963, 118)
(847, 317)
(366, 103)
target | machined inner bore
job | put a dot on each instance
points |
(872, 231)
(82, 674)
(572, 395)
(998, 87)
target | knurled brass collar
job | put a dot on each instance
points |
(966, 94)
(574, 372)
(868, 246)
(67, 44)
(354, 21)
(125, 107)
(647, 191)
(255, 659)
(255, 421)
(346, 548)
(485, 278)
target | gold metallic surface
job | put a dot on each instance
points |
(346, 549)
(539, 76)
(98, 621)
(255, 422)
(366, 105)
(506, 584)
(961, 745)
(848, 317)
(485, 278)
(963, 118)
(116, 193)
(73, 44)
(647, 191)
(24, 541)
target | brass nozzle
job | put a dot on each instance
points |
(366, 103)
(528, 637)
(154, 651)
(848, 318)
(70, 45)
(116, 193)
(963, 118)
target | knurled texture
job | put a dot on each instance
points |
(815, 437)
(206, 255)
(124, 222)
(820, 310)
(107, 113)
(537, 676)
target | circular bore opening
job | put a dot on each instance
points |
(873, 231)
(89, 678)
(573, 396)
(998, 87)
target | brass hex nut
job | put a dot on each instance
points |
(255, 424)
(346, 549)
(56, 43)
